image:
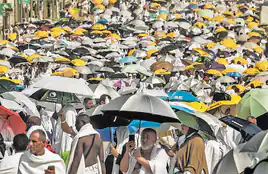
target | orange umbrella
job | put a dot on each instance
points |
(13, 120)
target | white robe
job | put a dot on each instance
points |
(214, 153)
(29, 163)
(86, 130)
(10, 164)
(63, 141)
(158, 162)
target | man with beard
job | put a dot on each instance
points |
(149, 158)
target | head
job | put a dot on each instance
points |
(33, 121)
(88, 103)
(104, 99)
(20, 142)
(186, 130)
(37, 142)
(81, 120)
(148, 138)
(252, 119)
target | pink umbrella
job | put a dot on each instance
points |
(121, 83)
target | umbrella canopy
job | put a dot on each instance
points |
(51, 96)
(247, 129)
(181, 96)
(13, 120)
(23, 100)
(224, 79)
(155, 80)
(100, 89)
(141, 107)
(83, 70)
(254, 103)
(196, 123)
(257, 144)
(64, 84)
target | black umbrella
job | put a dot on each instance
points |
(17, 59)
(247, 129)
(81, 51)
(99, 121)
(140, 107)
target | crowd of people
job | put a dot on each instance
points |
(206, 62)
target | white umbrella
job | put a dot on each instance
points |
(154, 92)
(7, 52)
(64, 84)
(224, 79)
(158, 24)
(155, 80)
(185, 25)
(11, 105)
(136, 68)
(43, 59)
(99, 90)
(137, 22)
(83, 70)
(7, 64)
(23, 100)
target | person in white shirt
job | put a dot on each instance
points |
(10, 164)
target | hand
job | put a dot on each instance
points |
(130, 146)
(137, 153)
(114, 152)
(49, 171)
(61, 114)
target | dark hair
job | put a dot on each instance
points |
(20, 142)
(2, 146)
(151, 131)
(42, 134)
(103, 97)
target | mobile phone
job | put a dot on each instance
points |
(131, 138)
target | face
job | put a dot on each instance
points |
(147, 140)
(78, 124)
(36, 146)
(184, 129)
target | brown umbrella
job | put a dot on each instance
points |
(161, 65)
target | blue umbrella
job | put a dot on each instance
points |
(181, 108)
(163, 12)
(102, 21)
(128, 59)
(180, 96)
(132, 127)
(234, 74)
(192, 6)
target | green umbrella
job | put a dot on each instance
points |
(254, 103)
(194, 121)
(206, 13)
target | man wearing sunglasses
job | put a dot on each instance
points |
(38, 159)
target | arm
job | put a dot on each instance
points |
(125, 160)
(64, 125)
(145, 163)
(101, 155)
(77, 157)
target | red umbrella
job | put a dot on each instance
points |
(13, 119)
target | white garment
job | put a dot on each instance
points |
(122, 135)
(158, 162)
(86, 130)
(10, 164)
(63, 141)
(31, 164)
(213, 154)
(94, 169)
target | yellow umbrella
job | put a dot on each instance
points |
(255, 83)
(5, 78)
(57, 74)
(220, 29)
(161, 72)
(55, 34)
(251, 34)
(213, 72)
(210, 45)
(96, 32)
(208, 6)
(172, 35)
(201, 52)
(73, 11)
(251, 71)
(199, 106)
(100, 6)
(78, 62)
(13, 48)
(189, 67)
(249, 19)
(67, 29)
(253, 25)
(106, 32)
(228, 13)
(62, 59)
(235, 99)
(218, 18)
(240, 87)
(229, 43)
(69, 72)
(222, 61)
(34, 56)
(3, 42)
(41, 34)
(16, 81)
(97, 79)
(57, 29)
(97, 2)
(143, 34)
(3, 69)
(150, 52)
(111, 2)
(229, 70)
(262, 66)
(162, 16)
(115, 36)
(199, 24)
(178, 16)
(131, 52)
(12, 36)
(98, 27)
(155, 4)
